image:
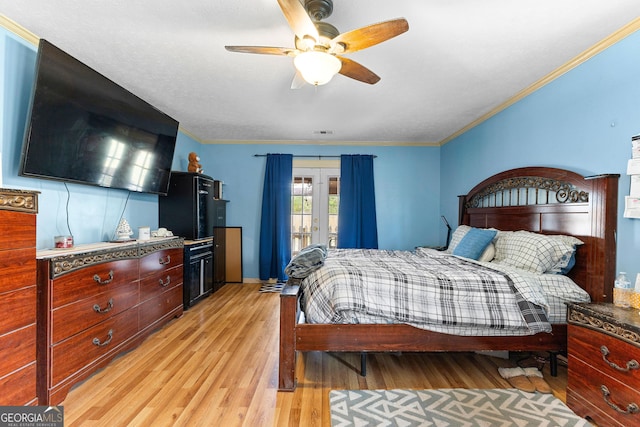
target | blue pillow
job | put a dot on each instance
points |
(474, 243)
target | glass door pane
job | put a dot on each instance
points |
(314, 207)
(301, 212)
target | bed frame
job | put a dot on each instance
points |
(540, 199)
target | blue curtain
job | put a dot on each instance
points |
(357, 226)
(275, 222)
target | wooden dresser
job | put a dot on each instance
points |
(603, 380)
(96, 301)
(18, 211)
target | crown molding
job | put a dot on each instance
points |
(18, 30)
(607, 42)
(327, 143)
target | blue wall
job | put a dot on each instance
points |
(407, 178)
(582, 121)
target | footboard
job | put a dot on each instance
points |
(288, 315)
(378, 338)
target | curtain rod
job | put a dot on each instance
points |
(309, 155)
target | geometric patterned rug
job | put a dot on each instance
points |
(449, 407)
(271, 287)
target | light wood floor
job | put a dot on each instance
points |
(217, 365)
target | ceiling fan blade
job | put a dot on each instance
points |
(358, 72)
(265, 50)
(370, 35)
(298, 81)
(298, 19)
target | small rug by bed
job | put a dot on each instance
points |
(449, 407)
(271, 287)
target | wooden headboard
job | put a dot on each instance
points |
(554, 201)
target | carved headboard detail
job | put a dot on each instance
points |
(527, 190)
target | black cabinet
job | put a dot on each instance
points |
(219, 257)
(198, 271)
(219, 243)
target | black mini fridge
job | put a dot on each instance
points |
(190, 209)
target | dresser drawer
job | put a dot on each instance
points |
(91, 280)
(17, 269)
(73, 354)
(588, 382)
(23, 309)
(19, 230)
(21, 345)
(154, 285)
(72, 318)
(585, 409)
(154, 309)
(159, 261)
(604, 353)
(19, 388)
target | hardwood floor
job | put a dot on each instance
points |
(217, 365)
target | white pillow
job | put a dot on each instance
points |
(534, 252)
(488, 254)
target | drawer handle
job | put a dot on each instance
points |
(163, 283)
(97, 308)
(99, 281)
(165, 261)
(632, 408)
(631, 364)
(97, 342)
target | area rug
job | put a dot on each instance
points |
(271, 287)
(449, 407)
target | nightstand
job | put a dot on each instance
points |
(603, 379)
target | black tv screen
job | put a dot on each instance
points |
(84, 128)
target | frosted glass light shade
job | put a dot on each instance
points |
(317, 68)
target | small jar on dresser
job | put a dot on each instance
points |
(603, 379)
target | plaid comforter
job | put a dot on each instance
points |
(428, 289)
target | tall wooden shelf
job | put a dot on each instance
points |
(18, 211)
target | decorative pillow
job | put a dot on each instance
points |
(307, 261)
(488, 254)
(456, 237)
(534, 252)
(474, 242)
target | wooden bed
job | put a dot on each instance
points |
(539, 199)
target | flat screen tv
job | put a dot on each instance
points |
(84, 128)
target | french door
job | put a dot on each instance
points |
(315, 196)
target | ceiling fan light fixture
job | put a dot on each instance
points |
(317, 68)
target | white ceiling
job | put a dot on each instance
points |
(460, 60)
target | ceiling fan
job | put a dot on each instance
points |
(319, 46)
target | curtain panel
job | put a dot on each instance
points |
(275, 222)
(357, 224)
